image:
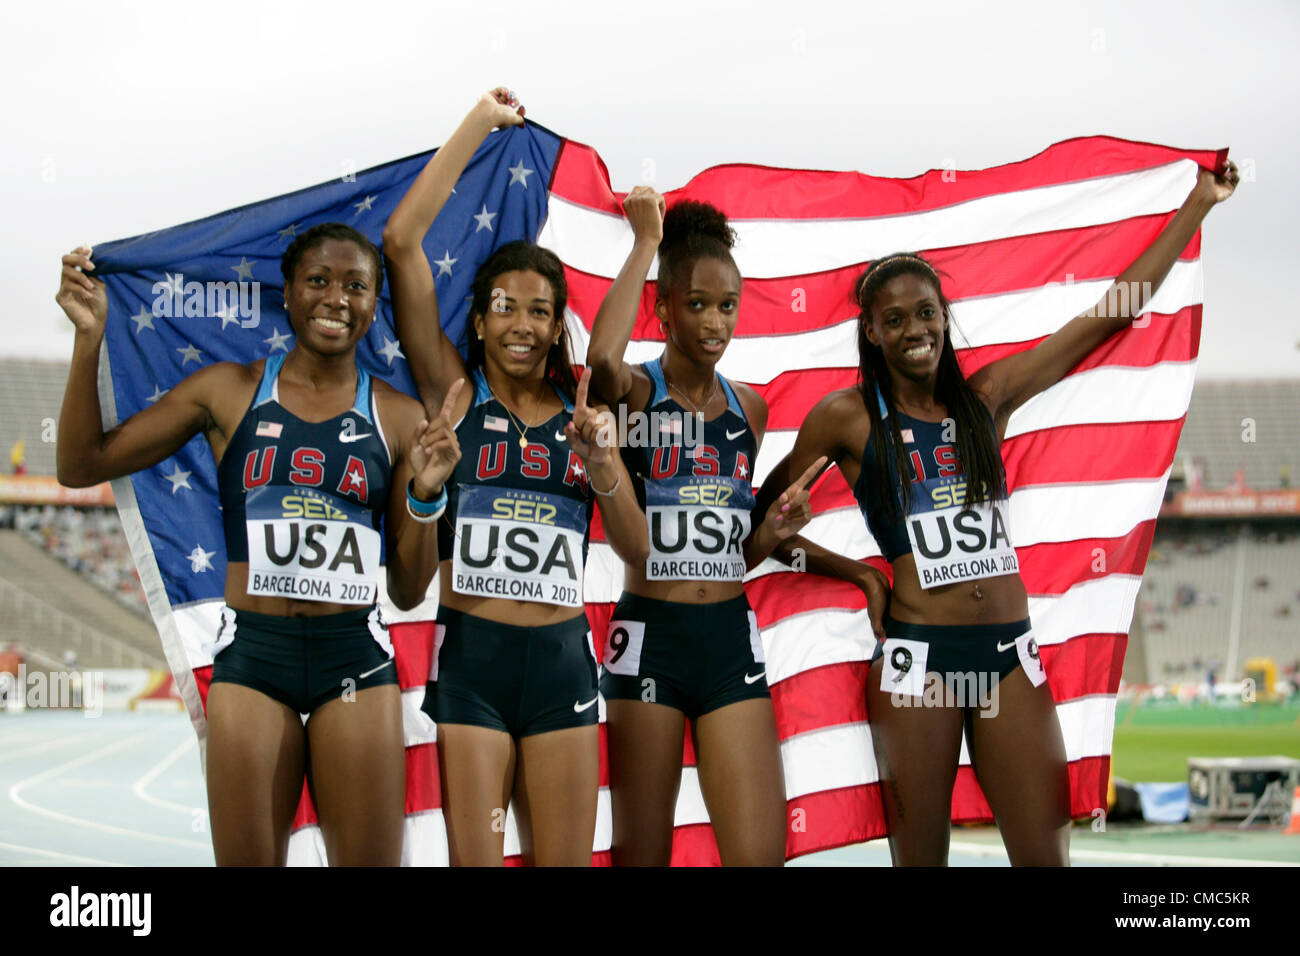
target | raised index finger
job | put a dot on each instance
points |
(449, 400)
(581, 400)
(809, 474)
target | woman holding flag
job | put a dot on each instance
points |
(958, 641)
(513, 682)
(307, 476)
(683, 642)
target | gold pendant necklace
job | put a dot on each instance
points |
(523, 437)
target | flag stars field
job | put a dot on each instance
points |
(445, 263)
(484, 219)
(277, 341)
(190, 354)
(143, 320)
(519, 174)
(391, 350)
(179, 478)
(200, 560)
(245, 269)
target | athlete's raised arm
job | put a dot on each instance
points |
(1008, 383)
(433, 358)
(426, 457)
(594, 436)
(822, 442)
(612, 329)
(86, 454)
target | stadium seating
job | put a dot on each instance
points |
(30, 392)
(1186, 600)
(48, 608)
(1212, 434)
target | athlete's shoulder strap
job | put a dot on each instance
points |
(658, 385)
(733, 400)
(268, 389)
(362, 404)
(567, 402)
(481, 391)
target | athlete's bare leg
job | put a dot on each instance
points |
(358, 773)
(741, 777)
(557, 780)
(1019, 760)
(255, 755)
(477, 765)
(917, 749)
(645, 772)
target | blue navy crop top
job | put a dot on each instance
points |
(341, 464)
(934, 467)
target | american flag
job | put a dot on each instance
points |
(1023, 247)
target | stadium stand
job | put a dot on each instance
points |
(30, 393)
(1187, 599)
(48, 608)
(1212, 435)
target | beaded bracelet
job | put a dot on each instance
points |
(425, 511)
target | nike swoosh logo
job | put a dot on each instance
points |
(559, 436)
(348, 439)
(579, 708)
(375, 669)
(758, 676)
(731, 437)
(1005, 647)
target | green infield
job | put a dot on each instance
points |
(1154, 740)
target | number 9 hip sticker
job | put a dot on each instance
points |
(623, 647)
(904, 668)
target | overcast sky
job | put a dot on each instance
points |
(121, 118)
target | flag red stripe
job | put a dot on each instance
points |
(1083, 665)
(1088, 779)
(802, 303)
(1168, 338)
(762, 192)
(1055, 567)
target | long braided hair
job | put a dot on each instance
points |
(976, 442)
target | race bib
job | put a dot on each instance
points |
(524, 545)
(310, 545)
(953, 541)
(698, 527)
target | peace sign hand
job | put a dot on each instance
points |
(591, 433)
(789, 513)
(435, 450)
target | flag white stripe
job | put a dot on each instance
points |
(1108, 395)
(1100, 606)
(598, 243)
(985, 320)
(834, 758)
(812, 639)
